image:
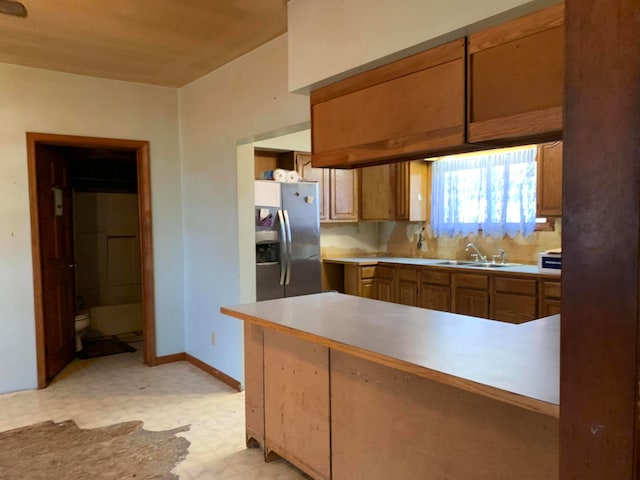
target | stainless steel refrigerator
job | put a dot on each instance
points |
(287, 239)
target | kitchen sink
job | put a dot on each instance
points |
(455, 262)
(465, 263)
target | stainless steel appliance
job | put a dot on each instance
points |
(287, 239)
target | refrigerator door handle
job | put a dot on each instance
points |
(283, 248)
(289, 247)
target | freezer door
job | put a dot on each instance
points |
(300, 202)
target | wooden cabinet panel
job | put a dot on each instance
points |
(368, 288)
(296, 402)
(549, 181)
(435, 276)
(376, 193)
(551, 289)
(435, 297)
(384, 290)
(550, 306)
(407, 286)
(385, 284)
(514, 308)
(471, 280)
(516, 75)
(550, 303)
(395, 192)
(523, 286)
(412, 107)
(471, 302)
(343, 188)
(471, 294)
(411, 190)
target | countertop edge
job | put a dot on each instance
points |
(522, 401)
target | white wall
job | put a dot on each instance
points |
(240, 100)
(329, 39)
(42, 101)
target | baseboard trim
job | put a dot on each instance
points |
(175, 357)
(223, 377)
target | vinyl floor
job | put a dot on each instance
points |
(120, 388)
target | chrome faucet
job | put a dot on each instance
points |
(500, 255)
(478, 256)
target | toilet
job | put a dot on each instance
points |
(82, 324)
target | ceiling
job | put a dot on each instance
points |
(160, 42)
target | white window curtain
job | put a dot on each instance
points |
(492, 192)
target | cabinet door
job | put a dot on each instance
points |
(368, 288)
(514, 308)
(405, 109)
(343, 188)
(435, 297)
(407, 293)
(384, 289)
(376, 193)
(411, 191)
(311, 174)
(549, 192)
(471, 302)
(516, 75)
(550, 306)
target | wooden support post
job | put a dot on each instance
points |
(601, 238)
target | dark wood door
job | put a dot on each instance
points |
(56, 241)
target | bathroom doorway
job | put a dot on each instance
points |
(105, 179)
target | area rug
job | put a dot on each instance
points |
(51, 450)
(104, 346)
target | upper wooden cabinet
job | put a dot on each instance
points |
(402, 110)
(337, 189)
(395, 192)
(549, 183)
(515, 84)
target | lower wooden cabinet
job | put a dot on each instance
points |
(435, 290)
(385, 290)
(499, 296)
(407, 286)
(549, 298)
(514, 299)
(471, 294)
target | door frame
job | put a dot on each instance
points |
(141, 147)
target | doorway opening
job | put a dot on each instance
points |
(110, 175)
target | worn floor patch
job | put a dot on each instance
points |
(51, 450)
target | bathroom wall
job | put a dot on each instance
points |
(400, 239)
(107, 251)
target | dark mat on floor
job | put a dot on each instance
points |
(51, 450)
(104, 346)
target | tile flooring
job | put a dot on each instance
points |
(119, 388)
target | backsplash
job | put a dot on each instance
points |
(349, 239)
(399, 239)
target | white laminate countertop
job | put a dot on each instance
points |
(435, 262)
(517, 364)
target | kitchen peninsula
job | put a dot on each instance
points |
(346, 387)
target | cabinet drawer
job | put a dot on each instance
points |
(367, 272)
(407, 274)
(471, 280)
(514, 308)
(551, 289)
(515, 285)
(384, 272)
(435, 277)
